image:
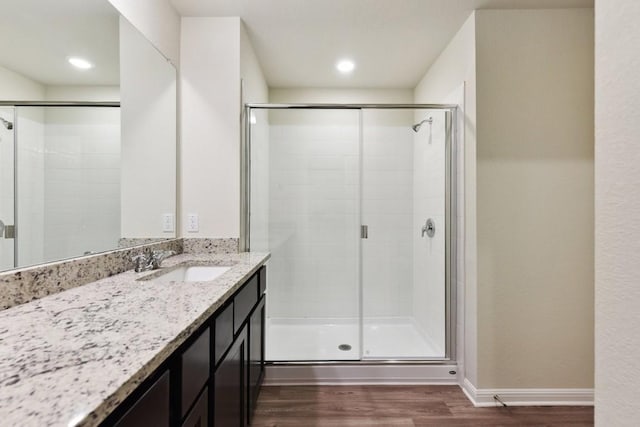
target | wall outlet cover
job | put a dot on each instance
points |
(168, 223)
(192, 223)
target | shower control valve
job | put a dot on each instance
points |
(429, 228)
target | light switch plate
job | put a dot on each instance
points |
(168, 223)
(192, 223)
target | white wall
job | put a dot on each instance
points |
(617, 201)
(215, 56)
(255, 90)
(535, 198)
(157, 20)
(210, 127)
(148, 106)
(455, 71)
(83, 93)
(16, 87)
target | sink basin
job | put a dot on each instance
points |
(194, 273)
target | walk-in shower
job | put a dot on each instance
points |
(59, 180)
(356, 205)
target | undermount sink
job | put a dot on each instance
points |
(194, 273)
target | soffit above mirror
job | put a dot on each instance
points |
(40, 36)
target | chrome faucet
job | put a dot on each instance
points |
(146, 261)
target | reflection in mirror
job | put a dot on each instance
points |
(87, 156)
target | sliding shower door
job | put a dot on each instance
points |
(354, 205)
(7, 185)
(403, 259)
(305, 211)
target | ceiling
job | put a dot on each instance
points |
(39, 36)
(393, 42)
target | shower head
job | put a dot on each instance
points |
(6, 123)
(416, 127)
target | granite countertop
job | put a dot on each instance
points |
(71, 358)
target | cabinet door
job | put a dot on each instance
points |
(195, 370)
(256, 354)
(198, 416)
(229, 395)
(152, 409)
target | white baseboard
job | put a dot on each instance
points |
(528, 396)
(359, 374)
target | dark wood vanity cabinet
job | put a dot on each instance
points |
(214, 378)
(229, 385)
(256, 354)
(150, 409)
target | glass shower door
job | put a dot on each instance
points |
(305, 211)
(403, 267)
(7, 207)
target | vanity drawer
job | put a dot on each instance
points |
(223, 332)
(244, 301)
(195, 369)
(262, 276)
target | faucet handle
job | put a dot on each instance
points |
(158, 256)
(141, 261)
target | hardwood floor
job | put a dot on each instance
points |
(410, 406)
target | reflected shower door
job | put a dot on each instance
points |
(7, 176)
(304, 210)
(403, 269)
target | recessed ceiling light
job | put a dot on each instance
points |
(345, 66)
(83, 64)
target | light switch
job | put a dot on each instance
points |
(168, 223)
(192, 223)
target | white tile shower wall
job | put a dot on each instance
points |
(30, 184)
(387, 210)
(313, 218)
(82, 181)
(429, 253)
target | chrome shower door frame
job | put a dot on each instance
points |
(451, 111)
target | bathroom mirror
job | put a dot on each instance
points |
(87, 151)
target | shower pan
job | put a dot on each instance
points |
(356, 205)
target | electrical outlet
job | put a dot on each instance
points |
(192, 223)
(168, 223)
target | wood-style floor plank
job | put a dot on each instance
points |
(401, 406)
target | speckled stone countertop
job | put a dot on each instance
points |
(71, 358)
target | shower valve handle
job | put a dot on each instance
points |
(429, 228)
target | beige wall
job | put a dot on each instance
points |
(535, 198)
(617, 177)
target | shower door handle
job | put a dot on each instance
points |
(7, 231)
